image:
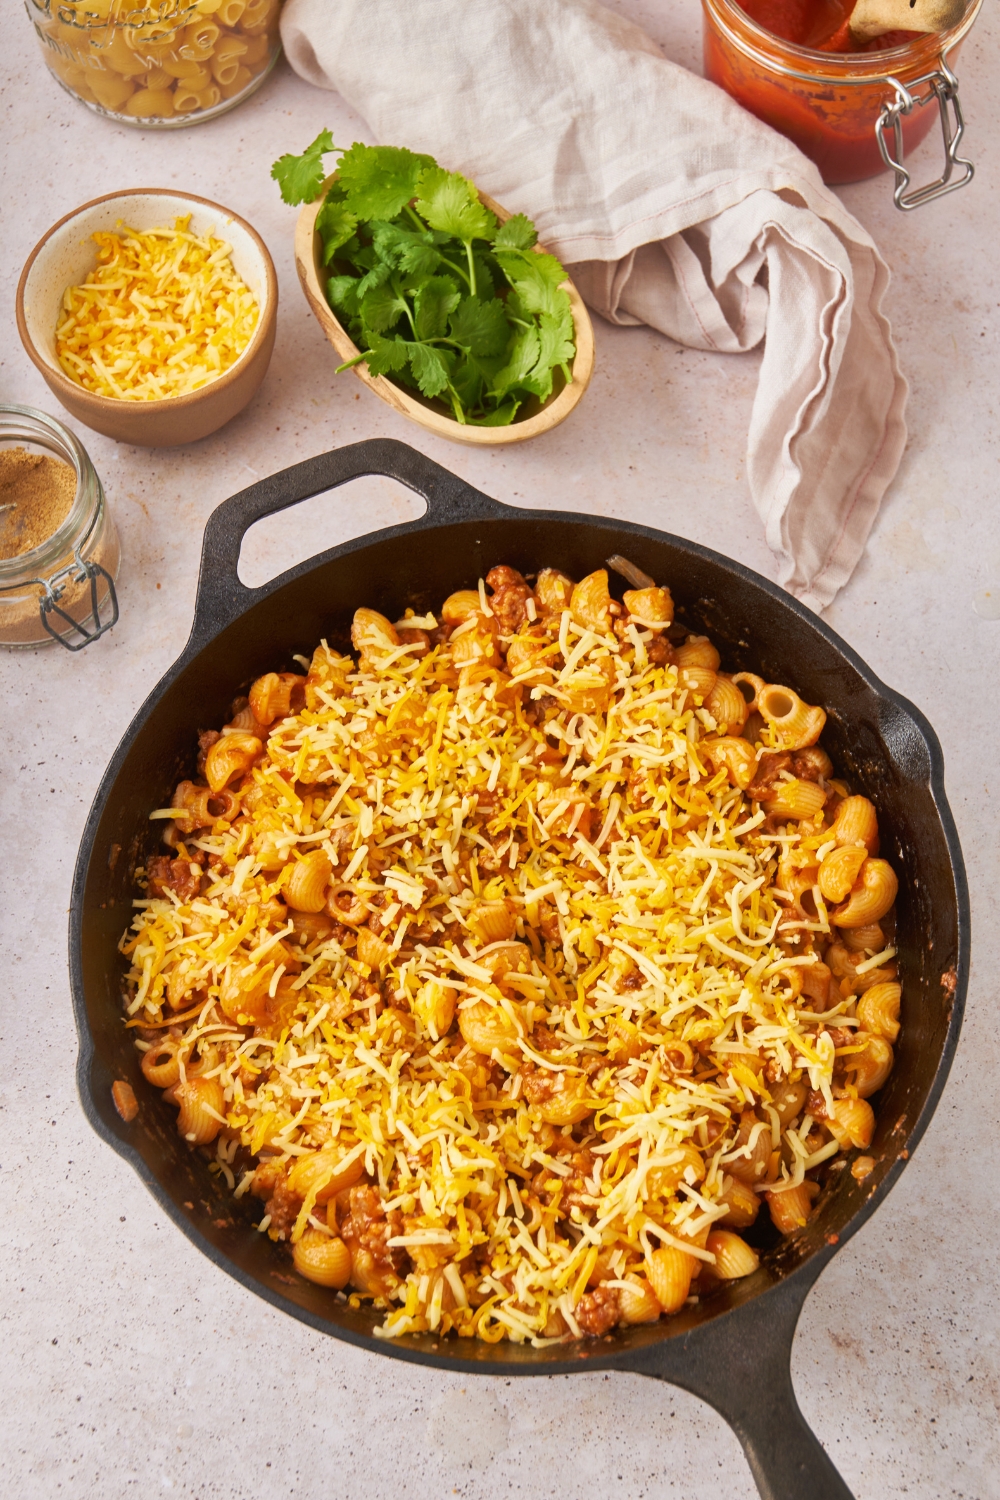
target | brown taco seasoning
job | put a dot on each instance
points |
(59, 551)
(36, 493)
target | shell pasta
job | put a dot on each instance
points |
(513, 963)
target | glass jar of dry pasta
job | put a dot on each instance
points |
(159, 65)
(59, 551)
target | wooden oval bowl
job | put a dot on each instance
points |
(66, 254)
(432, 414)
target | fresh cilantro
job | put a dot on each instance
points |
(481, 327)
(430, 368)
(382, 308)
(384, 356)
(335, 226)
(379, 180)
(449, 202)
(301, 177)
(517, 234)
(521, 361)
(435, 292)
(433, 302)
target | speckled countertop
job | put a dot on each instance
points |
(130, 1364)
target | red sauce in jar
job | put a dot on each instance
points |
(823, 25)
(795, 65)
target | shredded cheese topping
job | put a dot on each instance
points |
(163, 313)
(585, 995)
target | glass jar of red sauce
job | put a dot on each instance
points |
(852, 113)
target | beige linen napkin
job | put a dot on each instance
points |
(672, 206)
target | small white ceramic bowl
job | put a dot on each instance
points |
(65, 256)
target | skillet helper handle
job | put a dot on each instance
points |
(221, 597)
(740, 1364)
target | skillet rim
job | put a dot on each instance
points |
(794, 1284)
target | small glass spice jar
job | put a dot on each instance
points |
(852, 113)
(159, 65)
(59, 550)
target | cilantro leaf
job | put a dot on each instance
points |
(342, 294)
(555, 340)
(502, 417)
(449, 202)
(301, 177)
(536, 279)
(410, 250)
(387, 356)
(469, 383)
(434, 301)
(380, 180)
(382, 308)
(335, 226)
(378, 275)
(517, 234)
(521, 360)
(430, 367)
(481, 327)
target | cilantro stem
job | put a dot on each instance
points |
(409, 209)
(456, 405)
(406, 306)
(457, 269)
(472, 266)
(350, 363)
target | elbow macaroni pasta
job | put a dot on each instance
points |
(514, 965)
(157, 62)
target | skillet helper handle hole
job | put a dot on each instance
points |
(740, 1364)
(221, 596)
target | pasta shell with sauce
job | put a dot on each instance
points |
(856, 822)
(839, 871)
(651, 608)
(323, 1259)
(321, 1172)
(201, 1102)
(486, 1027)
(231, 755)
(590, 603)
(670, 1271)
(698, 653)
(305, 890)
(878, 1010)
(734, 1258)
(727, 706)
(852, 1123)
(638, 1302)
(796, 723)
(872, 895)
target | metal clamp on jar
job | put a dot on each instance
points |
(59, 583)
(852, 113)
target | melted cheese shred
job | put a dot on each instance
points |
(163, 313)
(652, 978)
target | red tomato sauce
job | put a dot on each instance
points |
(823, 25)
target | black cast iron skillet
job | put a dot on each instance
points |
(733, 1349)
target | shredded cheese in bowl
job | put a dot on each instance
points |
(163, 313)
(515, 963)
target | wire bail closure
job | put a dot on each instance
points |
(942, 86)
(79, 571)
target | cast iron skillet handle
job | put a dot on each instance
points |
(740, 1364)
(222, 597)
